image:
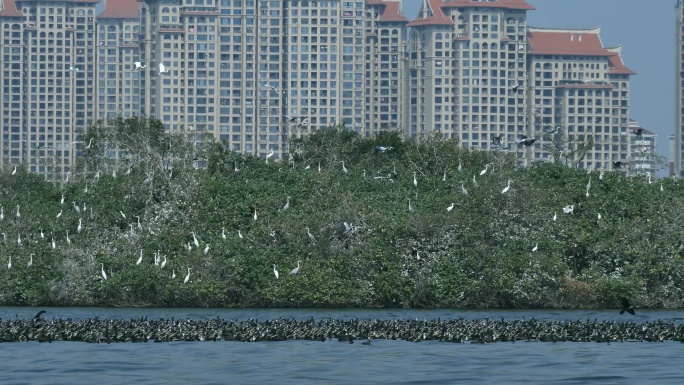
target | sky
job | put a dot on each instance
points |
(645, 30)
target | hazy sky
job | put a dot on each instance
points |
(644, 29)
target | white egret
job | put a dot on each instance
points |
(485, 169)
(588, 186)
(206, 249)
(255, 214)
(463, 189)
(139, 225)
(239, 234)
(223, 233)
(383, 149)
(139, 261)
(61, 201)
(122, 214)
(104, 275)
(92, 216)
(162, 69)
(410, 208)
(599, 216)
(344, 169)
(173, 274)
(114, 173)
(68, 240)
(54, 245)
(311, 236)
(649, 179)
(97, 175)
(270, 154)
(194, 239)
(78, 209)
(444, 176)
(139, 66)
(536, 247)
(90, 142)
(80, 225)
(157, 258)
(460, 166)
(287, 204)
(568, 209)
(187, 277)
(59, 214)
(601, 174)
(41, 234)
(84, 207)
(296, 269)
(275, 272)
(451, 207)
(164, 262)
(19, 240)
(30, 262)
(73, 69)
(14, 172)
(9, 264)
(18, 214)
(319, 167)
(308, 166)
(474, 181)
(415, 181)
(554, 216)
(661, 187)
(85, 190)
(2, 213)
(508, 187)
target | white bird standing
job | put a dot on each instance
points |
(163, 263)
(41, 234)
(187, 277)
(319, 167)
(463, 189)
(2, 213)
(104, 275)
(67, 237)
(661, 187)
(59, 214)
(206, 249)
(474, 181)
(536, 247)
(14, 172)
(415, 181)
(139, 225)
(508, 187)
(287, 205)
(173, 274)
(90, 142)
(194, 239)
(296, 269)
(122, 214)
(78, 209)
(54, 245)
(460, 166)
(410, 208)
(444, 176)
(344, 169)
(568, 209)
(451, 207)
(139, 261)
(239, 234)
(162, 69)
(485, 169)
(270, 154)
(30, 262)
(311, 236)
(9, 264)
(275, 272)
(18, 214)
(554, 216)
(19, 240)
(601, 174)
(61, 202)
(223, 233)
(80, 225)
(599, 216)
(588, 186)
(255, 214)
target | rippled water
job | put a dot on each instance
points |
(332, 362)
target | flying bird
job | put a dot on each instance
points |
(568, 209)
(496, 140)
(383, 149)
(626, 307)
(162, 69)
(139, 65)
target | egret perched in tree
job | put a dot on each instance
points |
(601, 174)
(239, 234)
(187, 277)
(223, 233)
(30, 262)
(275, 271)
(508, 187)
(536, 247)
(415, 181)
(344, 169)
(319, 167)
(474, 181)
(41, 234)
(54, 245)
(311, 236)
(463, 189)
(61, 201)
(122, 214)
(19, 240)
(139, 225)
(90, 142)
(9, 264)
(270, 154)
(139, 261)
(194, 239)
(599, 216)
(173, 274)
(92, 216)
(296, 269)
(588, 186)
(2, 213)
(78, 209)
(460, 166)
(80, 225)
(255, 214)
(568, 209)
(85, 190)
(451, 207)
(104, 275)
(287, 205)
(485, 169)
(59, 214)
(68, 240)
(18, 214)
(206, 249)
(163, 263)
(444, 176)
(554, 216)
(661, 187)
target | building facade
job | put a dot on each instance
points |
(678, 153)
(258, 73)
(643, 156)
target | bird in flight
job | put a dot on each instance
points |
(496, 140)
(162, 69)
(73, 69)
(626, 307)
(525, 141)
(139, 65)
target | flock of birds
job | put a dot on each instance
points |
(460, 330)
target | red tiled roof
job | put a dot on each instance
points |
(507, 4)
(438, 18)
(9, 9)
(566, 42)
(585, 86)
(392, 13)
(120, 9)
(615, 64)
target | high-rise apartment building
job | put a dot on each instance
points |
(643, 156)
(48, 70)
(467, 71)
(678, 153)
(578, 95)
